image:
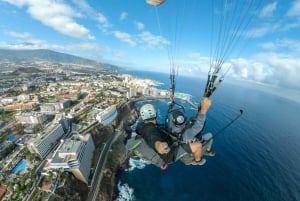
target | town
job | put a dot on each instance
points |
(48, 115)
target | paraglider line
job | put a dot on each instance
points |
(225, 127)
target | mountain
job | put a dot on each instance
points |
(28, 70)
(18, 56)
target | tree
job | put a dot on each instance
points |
(19, 129)
(37, 128)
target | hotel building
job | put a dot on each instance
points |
(107, 115)
(30, 117)
(74, 155)
(44, 144)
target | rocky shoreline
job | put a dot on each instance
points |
(117, 160)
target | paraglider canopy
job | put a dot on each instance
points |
(155, 2)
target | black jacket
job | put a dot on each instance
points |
(151, 133)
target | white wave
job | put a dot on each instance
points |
(183, 96)
(125, 193)
(137, 163)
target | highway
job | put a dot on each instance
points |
(96, 181)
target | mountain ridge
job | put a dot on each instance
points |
(17, 56)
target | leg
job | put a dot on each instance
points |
(190, 154)
(207, 147)
(207, 137)
(196, 148)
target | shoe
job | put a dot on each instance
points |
(201, 162)
(210, 153)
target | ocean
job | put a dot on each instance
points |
(257, 158)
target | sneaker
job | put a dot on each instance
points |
(201, 162)
(209, 153)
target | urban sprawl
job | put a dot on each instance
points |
(45, 121)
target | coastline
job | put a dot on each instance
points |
(116, 159)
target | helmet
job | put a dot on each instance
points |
(147, 111)
(178, 117)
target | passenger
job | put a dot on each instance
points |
(167, 148)
(190, 131)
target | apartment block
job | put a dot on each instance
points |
(74, 155)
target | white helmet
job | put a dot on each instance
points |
(147, 111)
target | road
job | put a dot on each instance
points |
(95, 184)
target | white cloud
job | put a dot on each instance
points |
(41, 44)
(269, 46)
(285, 69)
(23, 35)
(125, 37)
(271, 25)
(84, 7)
(80, 47)
(152, 40)
(56, 15)
(294, 11)
(123, 15)
(139, 25)
(283, 45)
(291, 45)
(268, 68)
(18, 3)
(268, 10)
(258, 32)
(30, 44)
(104, 24)
(264, 29)
(144, 39)
(271, 68)
(290, 25)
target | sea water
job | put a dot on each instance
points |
(257, 158)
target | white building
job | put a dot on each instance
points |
(51, 108)
(132, 92)
(44, 144)
(8, 100)
(74, 155)
(30, 117)
(24, 97)
(107, 115)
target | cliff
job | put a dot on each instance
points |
(76, 190)
(117, 156)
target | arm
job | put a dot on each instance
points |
(201, 116)
(157, 142)
(199, 121)
(205, 105)
(153, 138)
(161, 147)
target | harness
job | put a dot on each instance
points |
(138, 147)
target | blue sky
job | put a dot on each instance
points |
(181, 33)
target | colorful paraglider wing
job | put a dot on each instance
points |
(155, 2)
